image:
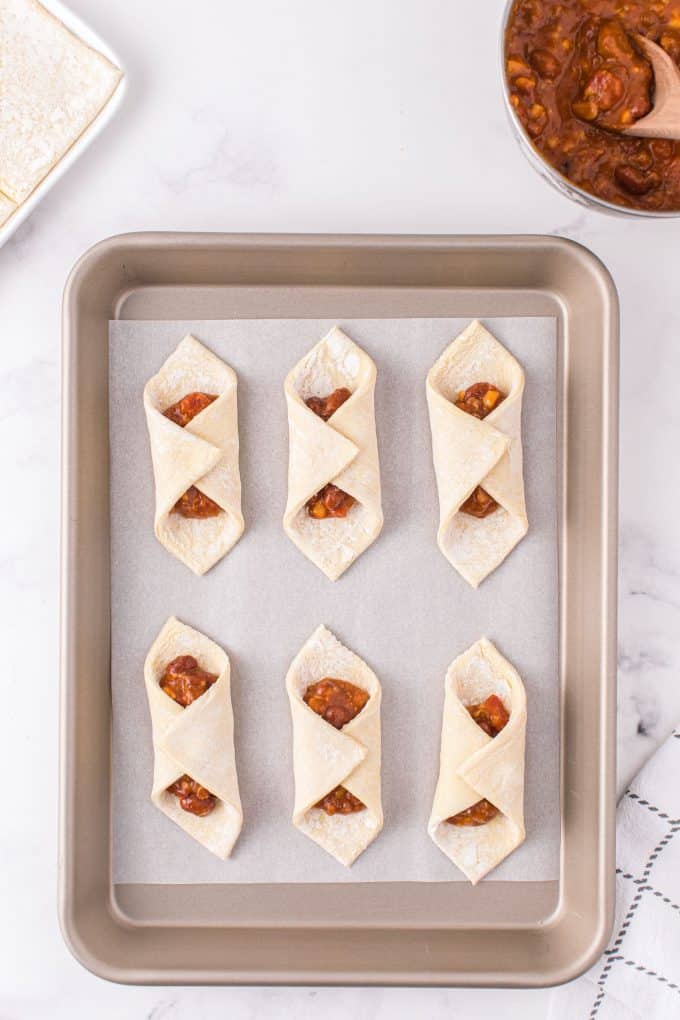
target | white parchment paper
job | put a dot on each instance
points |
(401, 606)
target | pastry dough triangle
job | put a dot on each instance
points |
(468, 452)
(342, 751)
(210, 716)
(474, 766)
(321, 452)
(197, 740)
(172, 445)
(324, 757)
(342, 450)
(204, 453)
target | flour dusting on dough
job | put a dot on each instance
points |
(338, 832)
(53, 86)
(477, 677)
(323, 655)
(474, 849)
(476, 361)
(477, 541)
(332, 364)
(333, 541)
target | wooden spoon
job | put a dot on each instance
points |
(664, 119)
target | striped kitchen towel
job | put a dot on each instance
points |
(639, 973)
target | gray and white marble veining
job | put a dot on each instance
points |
(649, 656)
(305, 117)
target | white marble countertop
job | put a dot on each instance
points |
(279, 116)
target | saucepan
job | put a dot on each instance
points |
(633, 207)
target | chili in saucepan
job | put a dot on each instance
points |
(576, 75)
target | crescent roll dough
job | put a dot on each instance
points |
(342, 450)
(469, 452)
(197, 740)
(204, 454)
(474, 765)
(325, 757)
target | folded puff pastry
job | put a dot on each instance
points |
(197, 740)
(342, 450)
(474, 765)
(469, 452)
(204, 454)
(324, 757)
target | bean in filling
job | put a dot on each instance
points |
(340, 802)
(492, 715)
(193, 797)
(479, 400)
(615, 79)
(193, 503)
(479, 504)
(337, 702)
(184, 681)
(330, 501)
(326, 406)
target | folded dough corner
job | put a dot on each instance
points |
(203, 454)
(469, 452)
(475, 766)
(342, 450)
(325, 758)
(197, 741)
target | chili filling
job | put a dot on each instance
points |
(193, 797)
(184, 681)
(337, 702)
(576, 74)
(479, 400)
(326, 406)
(615, 78)
(193, 503)
(340, 802)
(492, 715)
(330, 501)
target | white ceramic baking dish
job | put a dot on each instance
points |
(82, 30)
